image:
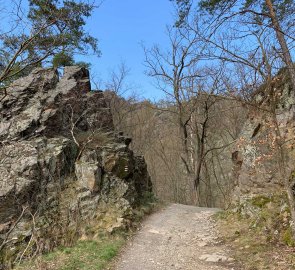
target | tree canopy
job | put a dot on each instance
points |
(50, 32)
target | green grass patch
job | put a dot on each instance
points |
(287, 237)
(260, 201)
(84, 255)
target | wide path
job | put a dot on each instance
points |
(177, 237)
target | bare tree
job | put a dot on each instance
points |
(220, 16)
(192, 90)
(246, 40)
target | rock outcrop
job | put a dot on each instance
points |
(265, 151)
(63, 171)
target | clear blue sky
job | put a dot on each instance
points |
(120, 26)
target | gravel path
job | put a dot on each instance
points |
(177, 237)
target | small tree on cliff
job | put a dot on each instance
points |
(50, 27)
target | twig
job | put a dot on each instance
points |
(29, 243)
(5, 241)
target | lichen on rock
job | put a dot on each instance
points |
(62, 167)
(265, 146)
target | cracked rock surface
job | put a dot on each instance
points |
(64, 171)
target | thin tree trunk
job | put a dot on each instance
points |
(281, 38)
(201, 154)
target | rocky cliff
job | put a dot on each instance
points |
(63, 171)
(264, 155)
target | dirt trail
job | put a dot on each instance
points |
(177, 237)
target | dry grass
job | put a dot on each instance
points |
(261, 241)
(93, 140)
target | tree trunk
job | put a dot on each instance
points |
(281, 38)
(201, 150)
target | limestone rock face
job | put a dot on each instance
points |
(266, 143)
(62, 168)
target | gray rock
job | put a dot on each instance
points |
(43, 104)
(257, 157)
(89, 175)
(62, 163)
(215, 258)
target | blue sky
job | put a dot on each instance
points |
(121, 26)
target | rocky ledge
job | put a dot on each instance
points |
(63, 171)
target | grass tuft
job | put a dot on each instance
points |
(85, 255)
(259, 233)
